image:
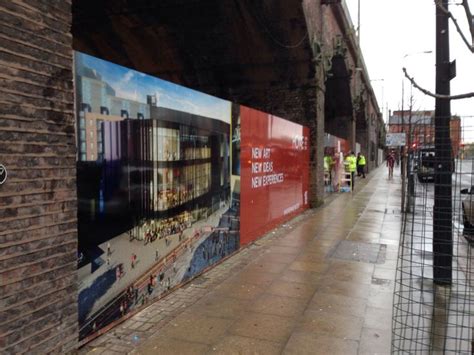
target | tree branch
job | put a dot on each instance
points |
(437, 96)
(470, 19)
(470, 46)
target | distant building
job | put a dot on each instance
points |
(420, 127)
(98, 106)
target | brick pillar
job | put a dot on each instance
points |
(38, 227)
(316, 125)
(353, 136)
(316, 15)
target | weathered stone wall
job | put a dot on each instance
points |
(38, 229)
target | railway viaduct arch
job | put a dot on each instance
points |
(297, 59)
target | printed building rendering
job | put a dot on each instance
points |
(153, 185)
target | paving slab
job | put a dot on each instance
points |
(319, 284)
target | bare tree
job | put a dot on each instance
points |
(438, 96)
(467, 42)
(470, 21)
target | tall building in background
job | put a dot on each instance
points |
(97, 106)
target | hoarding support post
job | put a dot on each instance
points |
(442, 214)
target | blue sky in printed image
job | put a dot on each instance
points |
(133, 85)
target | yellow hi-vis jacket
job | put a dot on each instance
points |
(328, 162)
(362, 160)
(351, 162)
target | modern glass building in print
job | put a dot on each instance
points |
(154, 168)
(153, 196)
(139, 160)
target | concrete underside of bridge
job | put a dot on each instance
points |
(338, 112)
(253, 53)
(280, 56)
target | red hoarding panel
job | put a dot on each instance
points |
(274, 172)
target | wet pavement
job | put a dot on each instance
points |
(320, 284)
(431, 318)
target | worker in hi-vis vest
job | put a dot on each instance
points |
(351, 165)
(328, 167)
(360, 165)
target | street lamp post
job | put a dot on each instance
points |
(403, 77)
(374, 152)
(358, 21)
(383, 83)
(357, 71)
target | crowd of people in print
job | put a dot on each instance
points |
(152, 230)
(172, 198)
(159, 281)
(174, 263)
(163, 278)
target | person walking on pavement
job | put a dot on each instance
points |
(109, 250)
(351, 162)
(390, 164)
(361, 165)
(132, 261)
(338, 170)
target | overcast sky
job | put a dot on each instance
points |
(391, 29)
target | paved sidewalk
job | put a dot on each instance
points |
(321, 284)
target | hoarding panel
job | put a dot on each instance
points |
(274, 171)
(161, 174)
(153, 176)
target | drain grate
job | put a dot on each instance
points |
(358, 251)
(380, 282)
(376, 210)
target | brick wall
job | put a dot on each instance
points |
(297, 104)
(38, 230)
